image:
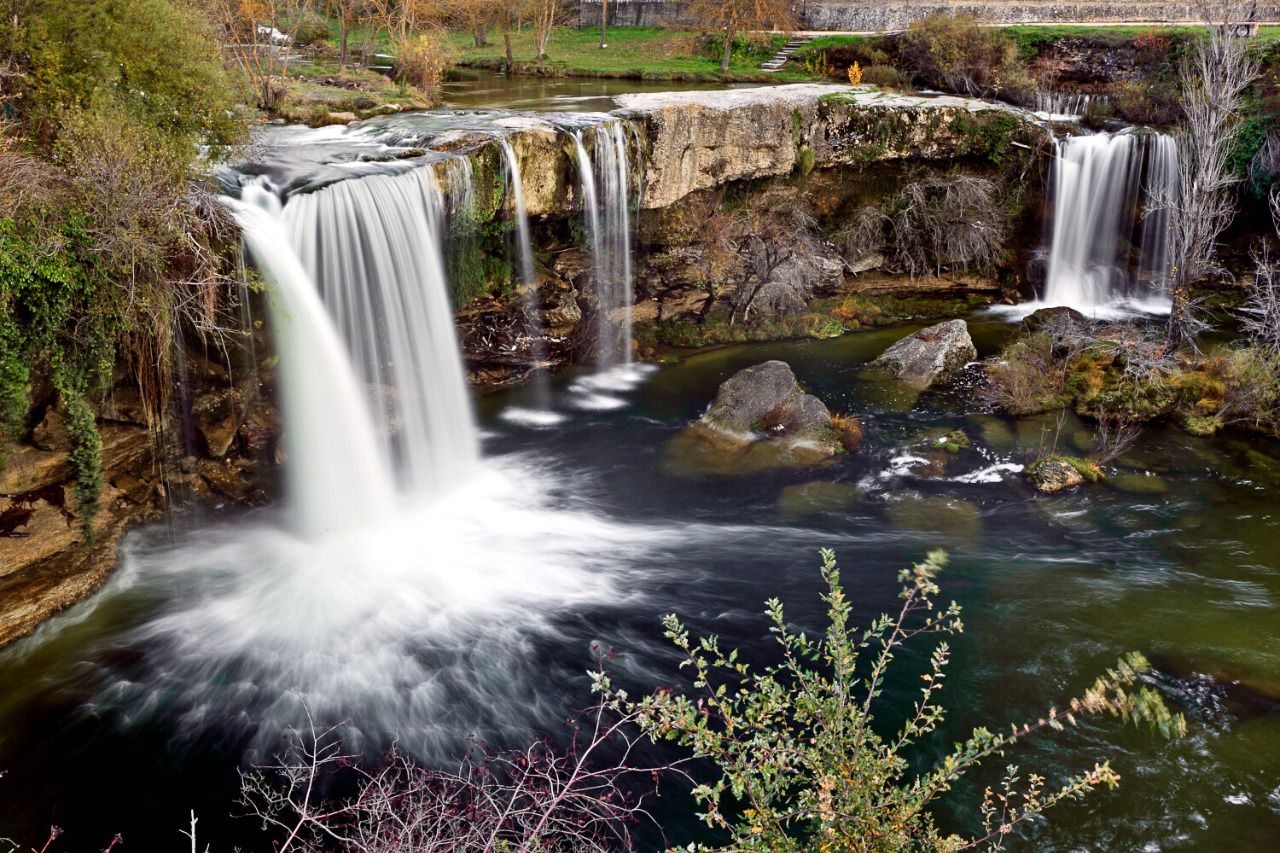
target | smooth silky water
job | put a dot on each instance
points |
(478, 615)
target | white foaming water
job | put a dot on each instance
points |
(417, 626)
(372, 247)
(336, 474)
(606, 202)
(600, 391)
(532, 417)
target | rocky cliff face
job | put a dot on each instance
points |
(217, 448)
(702, 140)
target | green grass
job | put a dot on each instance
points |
(647, 53)
(822, 42)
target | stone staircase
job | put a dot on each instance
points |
(780, 58)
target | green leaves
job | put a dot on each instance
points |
(797, 765)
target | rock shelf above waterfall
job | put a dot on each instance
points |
(690, 140)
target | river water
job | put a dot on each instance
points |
(106, 729)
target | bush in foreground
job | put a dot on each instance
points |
(790, 757)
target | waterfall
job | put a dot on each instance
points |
(540, 414)
(337, 474)
(1102, 185)
(1161, 180)
(372, 247)
(515, 189)
(1062, 105)
(606, 202)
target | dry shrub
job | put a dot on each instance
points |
(25, 181)
(958, 53)
(849, 430)
(855, 74)
(884, 76)
(422, 61)
(932, 224)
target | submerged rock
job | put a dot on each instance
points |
(1061, 313)
(930, 354)
(951, 521)
(760, 419)
(817, 497)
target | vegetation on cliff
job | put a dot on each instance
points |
(107, 247)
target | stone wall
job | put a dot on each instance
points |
(876, 17)
(635, 13)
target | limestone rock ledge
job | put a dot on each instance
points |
(701, 140)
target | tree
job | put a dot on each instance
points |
(475, 16)
(732, 17)
(347, 13)
(1215, 77)
(259, 33)
(604, 21)
(546, 15)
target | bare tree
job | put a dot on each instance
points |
(732, 17)
(546, 15)
(259, 33)
(536, 799)
(1262, 309)
(1214, 79)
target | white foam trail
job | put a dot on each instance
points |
(537, 418)
(990, 474)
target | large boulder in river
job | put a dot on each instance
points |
(930, 354)
(761, 419)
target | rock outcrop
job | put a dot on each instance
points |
(929, 355)
(47, 562)
(1054, 475)
(760, 419)
(699, 140)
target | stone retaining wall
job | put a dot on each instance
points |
(876, 17)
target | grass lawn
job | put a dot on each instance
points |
(648, 53)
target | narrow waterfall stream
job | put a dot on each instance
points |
(605, 184)
(540, 414)
(1108, 247)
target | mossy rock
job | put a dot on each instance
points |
(700, 451)
(1058, 473)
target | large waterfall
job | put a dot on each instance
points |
(371, 246)
(336, 473)
(1109, 238)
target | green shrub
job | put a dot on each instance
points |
(798, 764)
